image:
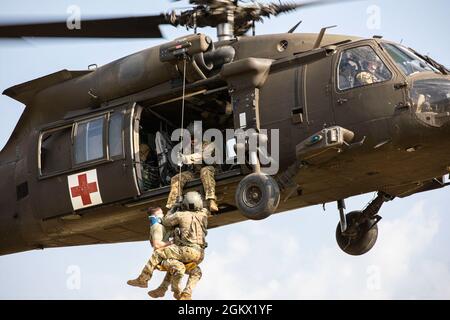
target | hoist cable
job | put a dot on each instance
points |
(182, 123)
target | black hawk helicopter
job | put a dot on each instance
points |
(354, 116)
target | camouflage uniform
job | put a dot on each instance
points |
(156, 232)
(189, 248)
(206, 175)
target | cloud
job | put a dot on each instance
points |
(291, 256)
(270, 263)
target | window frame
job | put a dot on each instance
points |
(73, 124)
(39, 151)
(122, 134)
(105, 130)
(401, 48)
(378, 54)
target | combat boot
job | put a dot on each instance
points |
(185, 296)
(138, 282)
(157, 293)
(177, 295)
(213, 206)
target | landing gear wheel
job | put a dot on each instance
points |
(257, 196)
(360, 236)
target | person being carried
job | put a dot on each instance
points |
(159, 238)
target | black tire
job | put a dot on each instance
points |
(364, 237)
(257, 196)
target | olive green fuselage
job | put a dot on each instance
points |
(399, 153)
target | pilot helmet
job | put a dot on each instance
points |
(371, 65)
(192, 201)
(345, 66)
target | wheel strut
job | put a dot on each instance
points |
(357, 231)
(372, 209)
(342, 216)
(370, 213)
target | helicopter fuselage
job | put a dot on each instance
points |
(400, 124)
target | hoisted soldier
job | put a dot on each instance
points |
(207, 173)
(159, 238)
(189, 247)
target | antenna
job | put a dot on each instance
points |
(292, 30)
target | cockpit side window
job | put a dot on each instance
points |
(406, 60)
(360, 67)
(89, 141)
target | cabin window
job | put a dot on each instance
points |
(115, 135)
(89, 141)
(55, 150)
(360, 67)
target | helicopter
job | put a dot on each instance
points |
(355, 116)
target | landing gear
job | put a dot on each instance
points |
(257, 196)
(357, 231)
(360, 236)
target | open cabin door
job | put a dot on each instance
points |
(86, 162)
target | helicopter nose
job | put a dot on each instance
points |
(431, 100)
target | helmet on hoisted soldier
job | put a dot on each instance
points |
(192, 201)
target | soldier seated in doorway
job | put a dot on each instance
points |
(207, 175)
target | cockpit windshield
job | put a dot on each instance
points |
(409, 62)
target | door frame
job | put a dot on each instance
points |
(397, 75)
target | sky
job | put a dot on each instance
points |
(292, 255)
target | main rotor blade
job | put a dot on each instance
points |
(127, 27)
(284, 7)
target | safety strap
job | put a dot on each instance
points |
(189, 267)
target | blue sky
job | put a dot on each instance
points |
(289, 256)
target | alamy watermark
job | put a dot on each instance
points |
(73, 281)
(374, 17)
(73, 21)
(243, 147)
(373, 278)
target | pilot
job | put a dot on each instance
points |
(369, 75)
(207, 173)
(188, 248)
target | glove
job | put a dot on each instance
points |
(181, 159)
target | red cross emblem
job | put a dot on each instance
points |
(84, 189)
